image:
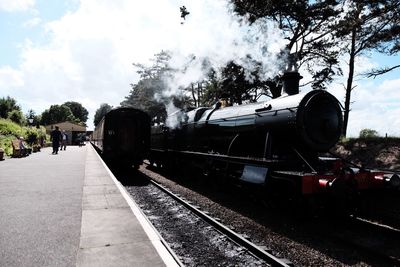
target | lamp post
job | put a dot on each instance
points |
(30, 120)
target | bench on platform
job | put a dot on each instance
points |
(17, 150)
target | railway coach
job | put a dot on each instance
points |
(122, 137)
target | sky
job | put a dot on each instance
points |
(56, 51)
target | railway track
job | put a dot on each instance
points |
(179, 222)
(374, 239)
(359, 242)
(366, 223)
(371, 238)
(239, 239)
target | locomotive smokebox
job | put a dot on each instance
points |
(290, 82)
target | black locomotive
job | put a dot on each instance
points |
(277, 143)
(123, 136)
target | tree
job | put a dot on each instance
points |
(193, 95)
(143, 96)
(148, 94)
(368, 133)
(80, 113)
(159, 68)
(17, 117)
(367, 26)
(7, 105)
(56, 114)
(100, 112)
(212, 91)
(308, 27)
(238, 87)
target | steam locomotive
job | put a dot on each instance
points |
(123, 136)
(277, 143)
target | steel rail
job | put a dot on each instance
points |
(374, 225)
(237, 238)
(357, 222)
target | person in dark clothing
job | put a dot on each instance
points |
(55, 138)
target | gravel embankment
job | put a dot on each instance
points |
(299, 240)
(194, 241)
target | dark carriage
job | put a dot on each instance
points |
(123, 136)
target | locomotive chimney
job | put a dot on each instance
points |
(290, 82)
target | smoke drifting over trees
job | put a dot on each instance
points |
(261, 39)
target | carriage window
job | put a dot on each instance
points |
(111, 132)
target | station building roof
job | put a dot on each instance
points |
(67, 126)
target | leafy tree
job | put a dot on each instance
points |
(158, 69)
(368, 133)
(148, 93)
(367, 26)
(56, 114)
(237, 86)
(17, 116)
(80, 113)
(7, 105)
(308, 27)
(389, 39)
(194, 94)
(142, 96)
(319, 31)
(100, 112)
(212, 91)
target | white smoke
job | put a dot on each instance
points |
(222, 38)
(175, 116)
(238, 42)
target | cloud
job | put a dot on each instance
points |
(89, 53)
(16, 5)
(32, 22)
(10, 77)
(374, 105)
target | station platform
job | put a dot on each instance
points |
(69, 210)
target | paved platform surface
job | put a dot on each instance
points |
(67, 210)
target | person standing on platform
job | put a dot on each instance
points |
(64, 140)
(55, 138)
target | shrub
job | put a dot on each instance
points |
(5, 143)
(17, 117)
(10, 130)
(7, 127)
(368, 133)
(32, 136)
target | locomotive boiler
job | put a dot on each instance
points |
(123, 136)
(276, 143)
